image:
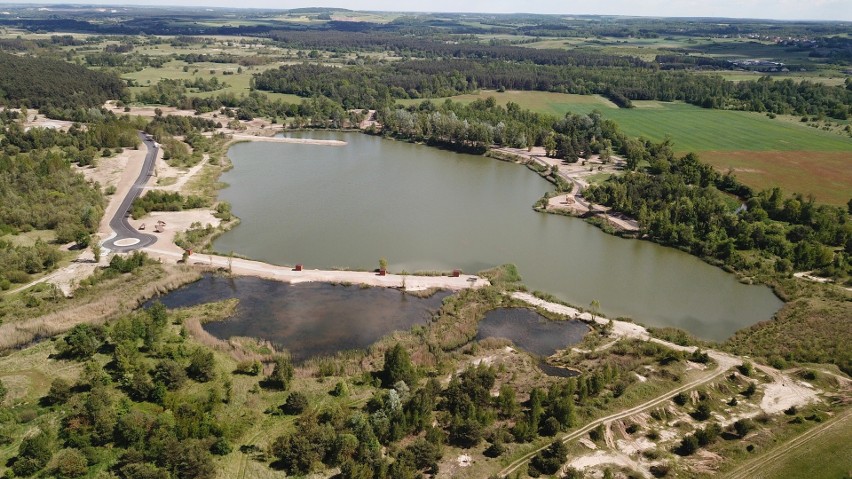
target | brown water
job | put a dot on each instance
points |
(428, 209)
(308, 319)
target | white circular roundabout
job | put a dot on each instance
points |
(126, 242)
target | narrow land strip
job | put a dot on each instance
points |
(244, 267)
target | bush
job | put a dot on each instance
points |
(3, 391)
(743, 427)
(702, 412)
(681, 398)
(249, 367)
(688, 446)
(70, 463)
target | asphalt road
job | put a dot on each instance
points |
(119, 223)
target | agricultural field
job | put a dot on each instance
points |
(763, 152)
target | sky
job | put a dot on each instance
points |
(764, 9)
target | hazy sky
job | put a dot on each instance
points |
(776, 9)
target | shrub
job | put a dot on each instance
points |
(743, 427)
(249, 367)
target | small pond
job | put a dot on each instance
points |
(531, 331)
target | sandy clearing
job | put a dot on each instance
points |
(600, 458)
(634, 446)
(783, 393)
(244, 267)
(176, 221)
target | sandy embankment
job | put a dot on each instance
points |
(244, 267)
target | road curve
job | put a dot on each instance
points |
(124, 233)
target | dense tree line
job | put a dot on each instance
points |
(363, 87)
(42, 82)
(426, 47)
(680, 202)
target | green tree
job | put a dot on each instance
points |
(3, 391)
(398, 367)
(549, 460)
(296, 403)
(202, 365)
(282, 373)
(33, 454)
(81, 342)
(170, 374)
(60, 391)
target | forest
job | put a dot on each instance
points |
(41, 82)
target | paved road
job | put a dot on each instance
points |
(124, 233)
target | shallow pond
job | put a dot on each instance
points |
(308, 319)
(531, 331)
(428, 209)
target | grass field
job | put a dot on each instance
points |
(764, 152)
(826, 456)
(238, 82)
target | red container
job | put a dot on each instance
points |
(456, 273)
(298, 267)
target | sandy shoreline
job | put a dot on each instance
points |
(278, 139)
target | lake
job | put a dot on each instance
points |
(427, 209)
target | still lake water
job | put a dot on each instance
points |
(308, 319)
(428, 209)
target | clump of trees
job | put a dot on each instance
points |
(156, 200)
(137, 408)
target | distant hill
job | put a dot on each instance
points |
(39, 82)
(308, 10)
